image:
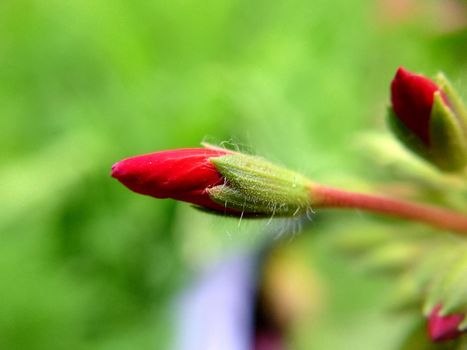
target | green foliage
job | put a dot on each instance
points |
(430, 266)
(86, 264)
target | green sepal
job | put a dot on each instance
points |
(455, 101)
(448, 140)
(254, 185)
(407, 136)
(234, 199)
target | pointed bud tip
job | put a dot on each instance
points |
(402, 73)
(116, 170)
(120, 170)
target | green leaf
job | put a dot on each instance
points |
(449, 285)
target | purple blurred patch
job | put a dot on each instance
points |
(218, 311)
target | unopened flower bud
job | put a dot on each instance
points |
(217, 180)
(430, 119)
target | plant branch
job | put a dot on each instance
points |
(327, 197)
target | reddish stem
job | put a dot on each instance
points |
(326, 197)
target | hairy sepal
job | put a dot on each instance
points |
(256, 186)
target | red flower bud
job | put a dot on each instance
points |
(216, 179)
(412, 97)
(430, 119)
(182, 174)
(442, 328)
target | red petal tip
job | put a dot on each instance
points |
(116, 171)
(402, 72)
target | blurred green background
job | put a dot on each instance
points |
(85, 263)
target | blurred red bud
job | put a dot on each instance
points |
(430, 119)
(412, 97)
(442, 328)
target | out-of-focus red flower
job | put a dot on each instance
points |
(412, 97)
(182, 174)
(430, 119)
(442, 328)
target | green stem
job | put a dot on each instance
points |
(326, 197)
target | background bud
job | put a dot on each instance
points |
(429, 120)
(412, 100)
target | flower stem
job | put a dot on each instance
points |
(327, 197)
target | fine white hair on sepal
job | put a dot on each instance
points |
(288, 228)
(257, 186)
